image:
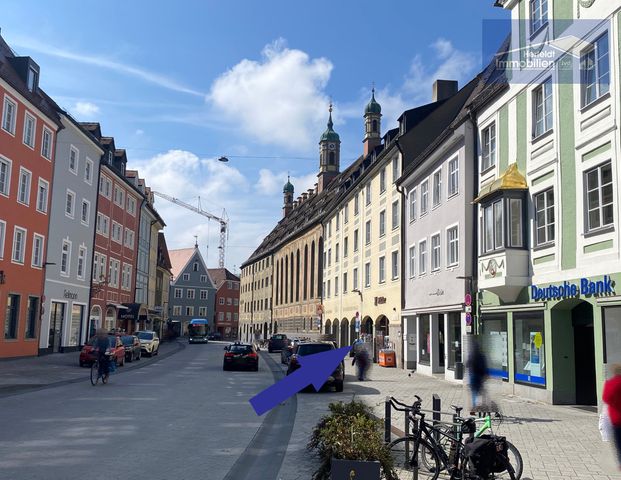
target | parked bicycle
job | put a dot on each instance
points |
(99, 370)
(431, 449)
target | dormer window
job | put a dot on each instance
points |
(109, 158)
(33, 79)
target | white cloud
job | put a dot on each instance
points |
(85, 110)
(271, 183)
(277, 100)
(103, 62)
(139, 132)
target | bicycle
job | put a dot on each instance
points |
(486, 421)
(96, 371)
(429, 457)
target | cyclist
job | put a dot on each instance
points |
(102, 344)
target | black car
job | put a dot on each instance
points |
(131, 343)
(277, 343)
(309, 348)
(215, 336)
(240, 355)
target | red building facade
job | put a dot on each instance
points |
(28, 126)
(226, 311)
(116, 238)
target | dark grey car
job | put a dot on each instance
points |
(277, 343)
(131, 343)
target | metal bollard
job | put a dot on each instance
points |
(437, 416)
(387, 419)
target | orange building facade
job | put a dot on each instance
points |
(28, 126)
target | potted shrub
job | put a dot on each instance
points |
(350, 432)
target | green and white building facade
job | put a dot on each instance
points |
(549, 265)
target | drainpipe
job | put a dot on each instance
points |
(92, 253)
(401, 190)
(475, 223)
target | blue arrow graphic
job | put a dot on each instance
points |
(314, 369)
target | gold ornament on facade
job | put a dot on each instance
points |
(512, 179)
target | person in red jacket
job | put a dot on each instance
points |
(612, 398)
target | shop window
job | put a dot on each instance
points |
(494, 343)
(529, 346)
(454, 334)
(612, 335)
(424, 345)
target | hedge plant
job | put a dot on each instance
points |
(350, 432)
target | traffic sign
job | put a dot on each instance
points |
(468, 308)
(468, 319)
(468, 299)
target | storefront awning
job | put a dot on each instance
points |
(117, 306)
(512, 179)
(132, 311)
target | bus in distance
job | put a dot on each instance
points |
(198, 330)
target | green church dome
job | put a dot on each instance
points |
(373, 106)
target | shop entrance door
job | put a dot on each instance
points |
(441, 338)
(584, 349)
(57, 314)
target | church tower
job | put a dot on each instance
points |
(329, 155)
(287, 193)
(372, 124)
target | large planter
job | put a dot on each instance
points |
(354, 470)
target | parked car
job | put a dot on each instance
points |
(215, 336)
(149, 342)
(240, 355)
(132, 347)
(277, 343)
(309, 348)
(88, 355)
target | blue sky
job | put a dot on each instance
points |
(179, 84)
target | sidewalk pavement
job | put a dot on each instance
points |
(30, 373)
(556, 442)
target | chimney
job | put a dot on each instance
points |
(311, 192)
(304, 196)
(316, 188)
(443, 89)
(295, 204)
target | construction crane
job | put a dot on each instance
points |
(223, 220)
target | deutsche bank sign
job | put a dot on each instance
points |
(568, 290)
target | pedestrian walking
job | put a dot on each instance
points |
(361, 360)
(477, 368)
(612, 398)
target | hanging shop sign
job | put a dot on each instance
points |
(586, 287)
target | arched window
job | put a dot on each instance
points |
(319, 267)
(297, 275)
(285, 282)
(291, 283)
(277, 283)
(312, 271)
(332, 158)
(305, 272)
(374, 126)
(196, 266)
